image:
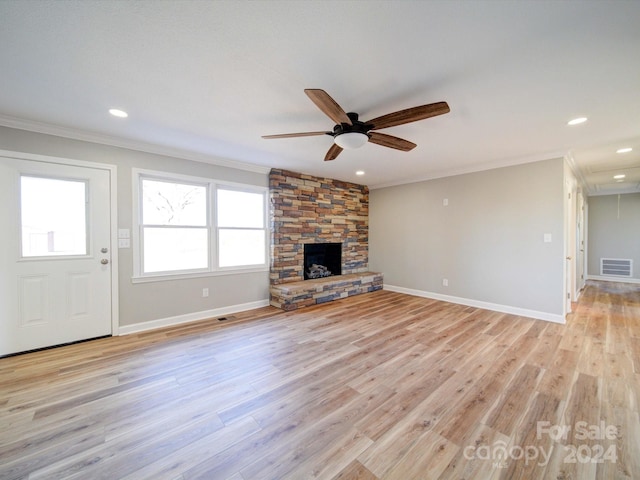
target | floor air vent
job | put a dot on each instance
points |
(618, 267)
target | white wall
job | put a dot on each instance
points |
(488, 242)
(614, 231)
(145, 302)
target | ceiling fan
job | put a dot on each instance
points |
(349, 132)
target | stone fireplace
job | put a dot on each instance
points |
(307, 211)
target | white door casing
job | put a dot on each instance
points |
(569, 246)
(580, 244)
(51, 300)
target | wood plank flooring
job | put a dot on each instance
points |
(377, 386)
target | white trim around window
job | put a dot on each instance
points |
(257, 228)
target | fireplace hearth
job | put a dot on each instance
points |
(322, 260)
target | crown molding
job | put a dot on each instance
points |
(93, 137)
(577, 171)
(474, 169)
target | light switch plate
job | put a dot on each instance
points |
(547, 238)
(123, 233)
(124, 243)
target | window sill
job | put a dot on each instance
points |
(185, 276)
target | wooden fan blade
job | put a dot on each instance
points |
(333, 152)
(391, 141)
(302, 134)
(328, 105)
(409, 115)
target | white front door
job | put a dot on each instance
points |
(55, 254)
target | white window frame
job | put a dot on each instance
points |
(212, 186)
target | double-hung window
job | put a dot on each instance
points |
(175, 226)
(241, 228)
(188, 225)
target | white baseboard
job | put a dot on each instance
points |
(523, 312)
(613, 279)
(190, 317)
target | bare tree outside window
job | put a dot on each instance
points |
(175, 231)
(168, 203)
(192, 225)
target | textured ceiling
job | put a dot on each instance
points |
(205, 80)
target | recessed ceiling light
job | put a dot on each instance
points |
(624, 150)
(618, 177)
(360, 172)
(118, 113)
(577, 121)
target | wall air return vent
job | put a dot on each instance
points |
(617, 267)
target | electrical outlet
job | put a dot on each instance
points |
(445, 282)
(205, 292)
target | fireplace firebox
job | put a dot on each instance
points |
(322, 260)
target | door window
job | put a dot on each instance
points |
(53, 216)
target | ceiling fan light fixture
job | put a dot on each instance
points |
(351, 140)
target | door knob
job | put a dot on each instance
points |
(104, 261)
(104, 250)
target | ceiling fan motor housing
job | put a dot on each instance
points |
(356, 127)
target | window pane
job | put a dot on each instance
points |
(241, 247)
(54, 216)
(240, 209)
(169, 203)
(171, 249)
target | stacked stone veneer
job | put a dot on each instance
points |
(308, 209)
(294, 295)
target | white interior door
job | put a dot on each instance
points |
(55, 254)
(570, 244)
(580, 247)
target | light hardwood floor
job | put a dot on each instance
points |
(378, 386)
